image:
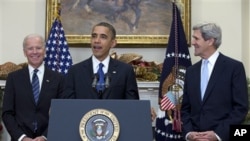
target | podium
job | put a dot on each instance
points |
(100, 120)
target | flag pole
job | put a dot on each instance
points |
(57, 9)
(177, 59)
(58, 57)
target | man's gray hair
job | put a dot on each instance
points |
(34, 35)
(209, 31)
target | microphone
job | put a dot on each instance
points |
(94, 83)
(107, 80)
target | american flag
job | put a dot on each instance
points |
(58, 57)
(177, 59)
(168, 101)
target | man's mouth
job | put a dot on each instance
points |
(97, 47)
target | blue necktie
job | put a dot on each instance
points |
(204, 77)
(35, 85)
(100, 84)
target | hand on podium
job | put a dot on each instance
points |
(153, 114)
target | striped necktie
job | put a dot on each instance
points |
(35, 85)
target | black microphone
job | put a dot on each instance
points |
(95, 79)
(107, 80)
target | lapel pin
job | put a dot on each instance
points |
(47, 80)
(114, 72)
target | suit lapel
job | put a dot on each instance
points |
(112, 71)
(217, 71)
(86, 66)
(27, 84)
(88, 76)
(45, 84)
(197, 81)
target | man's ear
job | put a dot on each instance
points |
(211, 41)
(114, 42)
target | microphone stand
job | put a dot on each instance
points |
(106, 84)
(107, 80)
(94, 83)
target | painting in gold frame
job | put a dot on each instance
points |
(154, 20)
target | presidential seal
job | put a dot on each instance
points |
(99, 125)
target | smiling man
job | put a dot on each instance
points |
(28, 93)
(215, 92)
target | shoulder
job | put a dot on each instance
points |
(228, 60)
(50, 73)
(81, 65)
(119, 63)
(17, 76)
(18, 72)
(194, 66)
(122, 66)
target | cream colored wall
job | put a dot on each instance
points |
(21, 17)
(1, 41)
(246, 35)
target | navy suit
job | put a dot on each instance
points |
(225, 101)
(122, 83)
(19, 107)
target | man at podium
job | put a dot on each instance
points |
(100, 76)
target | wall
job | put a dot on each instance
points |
(21, 17)
(1, 33)
(246, 34)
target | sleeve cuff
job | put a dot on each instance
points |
(218, 138)
(44, 137)
(21, 138)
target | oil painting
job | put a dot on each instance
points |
(135, 21)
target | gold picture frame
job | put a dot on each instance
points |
(77, 22)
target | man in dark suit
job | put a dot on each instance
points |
(119, 78)
(207, 116)
(25, 117)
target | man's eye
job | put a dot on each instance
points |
(104, 37)
(93, 35)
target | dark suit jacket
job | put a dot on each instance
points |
(19, 107)
(225, 101)
(122, 83)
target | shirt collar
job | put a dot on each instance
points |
(40, 69)
(212, 59)
(96, 63)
